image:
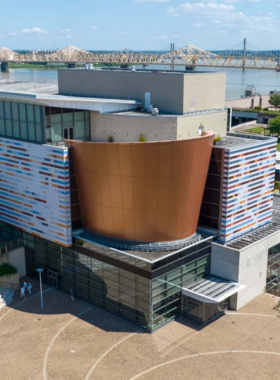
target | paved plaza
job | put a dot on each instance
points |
(68, 340)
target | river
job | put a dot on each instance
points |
(237, 79)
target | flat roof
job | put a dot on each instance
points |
(46, 94)
(148, 252)
(240, 140)
(149, 71)
(28, 88)
(212, 290)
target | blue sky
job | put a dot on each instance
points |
(138, 24)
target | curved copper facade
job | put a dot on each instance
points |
(149, 191)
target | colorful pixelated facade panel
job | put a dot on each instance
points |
(248, 183)
(34, 189)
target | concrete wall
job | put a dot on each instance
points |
(128, 128)
(247, 267)
(170, 92)
(166, 89)
(207, 90)
(187, 125)
(15, 258)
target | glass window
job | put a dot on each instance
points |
(2, 110)
(2, 127)
(16, 129)
(56, 132)
(56, 118)
(37, 114)
(30, 114)
(31, 132)
(7, 109)
(23, 131)
(79, 129)
(87, 115)
(67, 118)
(39, 137)
(22, 112)
(87, 128)
(78, 116)
(15, 111)
(48, 133)
(9, 130)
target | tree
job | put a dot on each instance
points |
(274, 126)
(274, 100)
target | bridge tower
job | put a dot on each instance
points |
(172, 48)
(244, 50)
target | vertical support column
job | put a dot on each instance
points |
(244, 50)
(5, 67)
(172, 48)
(124, 65)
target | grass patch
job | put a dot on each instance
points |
(278, 147)
(256, 129)
(7, 268)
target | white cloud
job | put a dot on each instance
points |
(33, 30)
(122, 32)
(68, 36)
(93, 27)
(199, 25)
(151, 1)
(65, 31)
(173, 12)
(12, 34)
(202, 7)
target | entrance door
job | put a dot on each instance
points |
(52, 278)
(68, 133)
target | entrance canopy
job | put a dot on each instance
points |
(212, 290)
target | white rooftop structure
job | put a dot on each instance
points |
(46, 94)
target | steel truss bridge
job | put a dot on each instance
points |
(188, 56)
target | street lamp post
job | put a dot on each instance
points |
(40, 270)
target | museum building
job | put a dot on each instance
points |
(113, 183)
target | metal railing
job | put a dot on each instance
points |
(11, 245)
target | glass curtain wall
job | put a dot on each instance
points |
(22, 121)
(104, 285)
(273, 271)
(62, 123)
(166, 289)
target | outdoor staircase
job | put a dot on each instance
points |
(6, 297)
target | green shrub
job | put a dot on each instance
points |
(217, 138)
(258, 108)
(110, 139)
(142, 138)
(277, 183)
(80, 242)
(7, 268)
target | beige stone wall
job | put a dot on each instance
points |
(187, 126)
(129, 127)
(11, 279)
(206, 90)
(170, 92)
(126, 128)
